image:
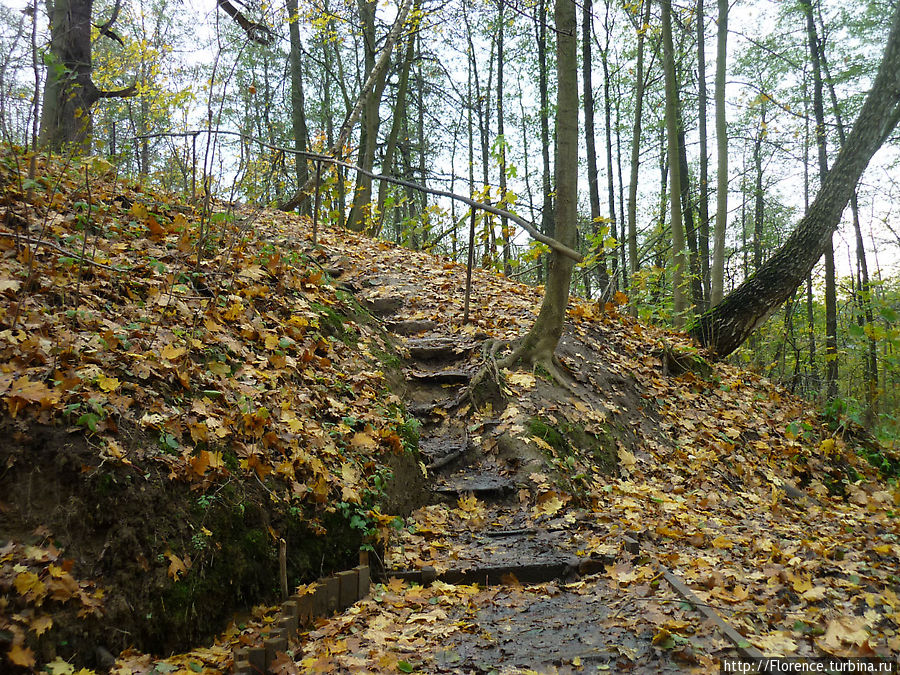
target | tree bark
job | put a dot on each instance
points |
(636, 144)
(298, 105)
(703, 225)
(540, 342)
(679, 261)
(726, 326)
(544, 95)
(610, 184)
(831, 350)
(717, 273)
(590, 142)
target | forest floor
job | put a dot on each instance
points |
(170, 416)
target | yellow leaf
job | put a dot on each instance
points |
(219, 368)
(363, 440)
(722, 542)
(172, 352)
(41, 624)
(523, 380)
(549, 505)
(29, 582)
(21, 656)
(826, 447)
(176, 565)
(108, 383)
(59, 667)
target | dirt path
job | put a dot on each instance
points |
(493, 573)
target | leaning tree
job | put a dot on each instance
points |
(725, 327)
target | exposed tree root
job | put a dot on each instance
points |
(492, 367)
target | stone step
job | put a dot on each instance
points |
(383, 305)
(439, 349)
(480, 485)
(438, 376)
(411, 326)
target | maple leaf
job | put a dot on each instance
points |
(21, 656)
(24, 391)
(59, 667)
(172, 352)
(41, 624)
(523, 380)
(177, 566)
(363, 440)
(548, 504)
(28, 583)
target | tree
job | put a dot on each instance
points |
(679, 262)
(540, 342)
(69, 91)
(717, 272)
(725, 327)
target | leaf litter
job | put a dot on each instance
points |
(732, 483)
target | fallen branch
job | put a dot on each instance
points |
(328, 159)
(49, 244)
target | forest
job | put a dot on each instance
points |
(377, 337)
(461, 98)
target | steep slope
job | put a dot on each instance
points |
(183, 390)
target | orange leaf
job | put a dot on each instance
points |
(21, 656)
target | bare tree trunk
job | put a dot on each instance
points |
(504, 224)
(679, 262)
(399, 116)
(298, 104)
(865, 289)
(592, 173)
(547, 226)
(540, 342)
(831, 351)
(717, 274)
(636, 145)
(610, 174)
(703, 225)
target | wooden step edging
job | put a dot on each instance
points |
(329, 595)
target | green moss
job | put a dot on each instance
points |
(577, 454)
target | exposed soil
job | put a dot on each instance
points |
(117, 524)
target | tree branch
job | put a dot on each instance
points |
(318, 157)
(257, 32)
(104, 28)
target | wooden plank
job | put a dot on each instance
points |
(740, 642)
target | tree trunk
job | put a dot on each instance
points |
(544, 95)
(758, 204)
(870, 360)
(540, 342)
(717, 274)
(703, 225)
(69, 92)
(298, 105)
(679, 262)
(636, 144)
(360, 213)
(727, 325)
(831, 350)
(399, 116)
(501, 140)
(610, 174)
(592, 173)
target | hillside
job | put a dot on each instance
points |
(184, 390)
